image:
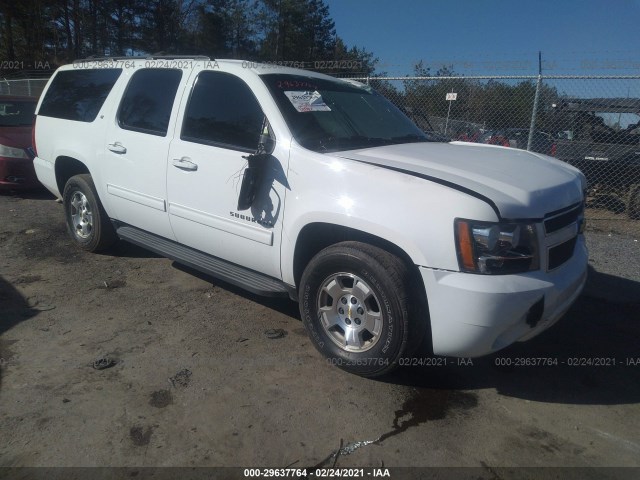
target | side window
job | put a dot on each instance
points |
(222, 111)
(147, 103)
(78, 94)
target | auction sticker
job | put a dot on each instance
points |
(307, 101)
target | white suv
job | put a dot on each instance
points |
(288, 182)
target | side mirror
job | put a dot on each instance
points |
(266, 145)
(248, 188)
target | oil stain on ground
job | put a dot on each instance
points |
(421, 406)
(426, 405)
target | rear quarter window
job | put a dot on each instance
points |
(146, 105)
(78, 94)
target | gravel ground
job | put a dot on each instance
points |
(196, 377)
(616, 258)
(615, 254)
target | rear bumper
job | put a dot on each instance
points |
(475, 315)
(17, 173)
(46, 175)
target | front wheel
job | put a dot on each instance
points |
(87, 222)
(355, 305)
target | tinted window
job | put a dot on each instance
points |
(78, 94)
(223, 111)
(16, 113)
(146, 105)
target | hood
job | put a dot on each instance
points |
(518, 183)
(16, 137)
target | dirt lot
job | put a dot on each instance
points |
(601, 220)
(199, 380)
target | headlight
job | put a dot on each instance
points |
(11, 152)
(496, 248)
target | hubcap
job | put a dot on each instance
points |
(81, 215)
(349, 312)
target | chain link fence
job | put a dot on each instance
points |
(592, 123)
(23, 87)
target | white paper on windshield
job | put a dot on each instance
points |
(307, 101)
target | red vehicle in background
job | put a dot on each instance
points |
(16, 153)
(514, 138)
(519, 138)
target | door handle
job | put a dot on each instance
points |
(185, 163)
(117, 147)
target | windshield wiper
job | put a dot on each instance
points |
(412, 137)
(352, 142)
(360, 141)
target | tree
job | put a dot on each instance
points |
(296, 30)
(226, 28)
(8, 11)
(60, 31)
(24, 30)
(352, 61)
(429, 96)
(160, 25)
(208, 35)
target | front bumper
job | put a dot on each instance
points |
(475, 315)
(17, 173)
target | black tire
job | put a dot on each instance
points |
(388, 281)
(87, 222)
(633, 205)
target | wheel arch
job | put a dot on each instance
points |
(65, 168)
(316, 236)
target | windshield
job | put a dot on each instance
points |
(331, 115)
(16, 113)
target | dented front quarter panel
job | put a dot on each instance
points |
(412, 213)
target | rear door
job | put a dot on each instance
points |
(136, 147)
(221, 127)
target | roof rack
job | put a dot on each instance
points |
(94, 58)
(177, 57)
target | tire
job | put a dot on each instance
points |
(633, 205)
(353, 282)
(87, 222)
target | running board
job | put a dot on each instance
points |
(250, 280)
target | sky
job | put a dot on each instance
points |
(495, 37)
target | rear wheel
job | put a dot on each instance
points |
(87, 222)
(355, 304)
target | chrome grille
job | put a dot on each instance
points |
(561, 253)
(559, 220)
(561, 229)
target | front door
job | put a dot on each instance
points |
(208, 156)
